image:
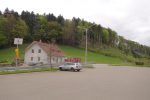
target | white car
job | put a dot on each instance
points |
(70, 66)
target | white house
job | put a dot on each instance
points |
(38, 52)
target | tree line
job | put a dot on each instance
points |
(46, 27)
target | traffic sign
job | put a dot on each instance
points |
(18, 41)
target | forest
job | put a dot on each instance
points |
(48, 27)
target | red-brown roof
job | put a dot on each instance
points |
(50, 49)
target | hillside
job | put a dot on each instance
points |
(109, 56)
(8, 55)
(91, 58)
(72, 32)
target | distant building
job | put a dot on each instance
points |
(38, 52)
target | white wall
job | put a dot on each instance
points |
(55, 60)
(43, 56)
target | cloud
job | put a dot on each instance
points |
(136, 25)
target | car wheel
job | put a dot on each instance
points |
(72, 69)
(60, 69)
(78, 70)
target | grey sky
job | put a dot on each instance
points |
(129, 18)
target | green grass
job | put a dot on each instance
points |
(29, 71)
(8, 54)
(92, 57)
(107, 56)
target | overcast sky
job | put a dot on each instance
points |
(129, 18)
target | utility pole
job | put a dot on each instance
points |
(50, 56)
(86, 46)
(86, 42)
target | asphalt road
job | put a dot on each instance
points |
(101, 83)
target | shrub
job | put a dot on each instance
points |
(4, 61)
(139, 63)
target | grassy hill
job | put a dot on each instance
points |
(111, 56)
(9, 54)
(108, 56)
(91, 56)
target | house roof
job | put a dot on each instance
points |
(48, 48)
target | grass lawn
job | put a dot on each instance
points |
(91, 56)
(111, 56)
(8, 54)
(29, 71)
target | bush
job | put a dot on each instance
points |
(4, 61)
(139, 63)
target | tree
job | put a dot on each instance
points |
(0, 13)
(31, 22)
(41, 28)
(112, 37)
(20, 29)
(69, 33)
(15, 14)
(105, 36)
(3, 38)
(6, 12)
(54, 30)
(10, 27)
(60, 20)
(50, 17)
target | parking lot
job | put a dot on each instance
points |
(100, 83)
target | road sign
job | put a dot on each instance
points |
(18, 41)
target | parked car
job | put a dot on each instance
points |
(70, 66)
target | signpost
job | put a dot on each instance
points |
(17, 41)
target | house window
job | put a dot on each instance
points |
(32, 50)
(39, 51)
(60, 59)
(31, 58)
(39, 58)
(57, 59)
(54, 59)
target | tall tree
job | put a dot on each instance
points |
(11, 27)
(0, 13)
(20, 29)
(60, 20)
(68, 33)
(31, 21)
(51, 17)
(7, 12)
(105, 36)
(3, 38)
